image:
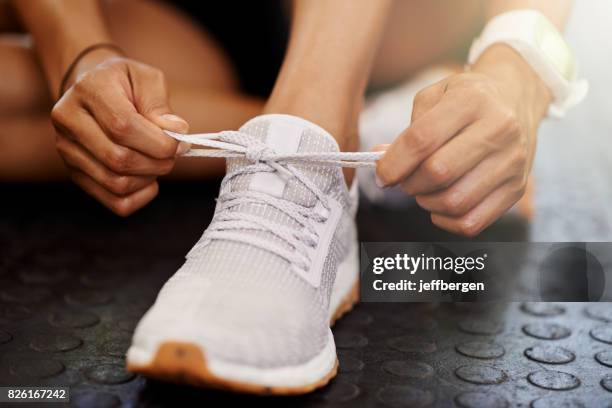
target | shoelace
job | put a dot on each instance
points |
(228, 224)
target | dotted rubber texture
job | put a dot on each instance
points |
(74, 281)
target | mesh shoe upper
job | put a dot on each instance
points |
(242, 302)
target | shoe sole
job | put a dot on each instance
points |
(185, 363)
(347, 304)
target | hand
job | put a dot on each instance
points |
(467, 155)
(109, 130)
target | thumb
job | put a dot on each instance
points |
(152, 101)
(174, 123)
(171, 122)
(151, 98)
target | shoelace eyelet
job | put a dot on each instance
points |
(238, 144)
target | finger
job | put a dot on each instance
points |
(471, 189)
(82, 128)
(484, 214)
(452, 161)
(427, 98)
(118, 118)
(78, 158)
(423, 138)
(120, 205)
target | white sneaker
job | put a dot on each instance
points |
(251, 307)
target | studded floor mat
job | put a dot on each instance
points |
(74, 281)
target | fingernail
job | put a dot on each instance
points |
(378, 181)
(380, 148)
(182, 125)
(183, 147)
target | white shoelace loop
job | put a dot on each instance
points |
(227, 223)
(257, 153)
(235, 144)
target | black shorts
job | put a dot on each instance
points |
(254, 35)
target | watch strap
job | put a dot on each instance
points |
(540, 44)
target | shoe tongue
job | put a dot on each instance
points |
(287, 134)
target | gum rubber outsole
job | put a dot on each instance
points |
(347, 304)
(185, 363)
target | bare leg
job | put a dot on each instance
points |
(202, 85)
(422, 33)
(27, 143)
(321, 84)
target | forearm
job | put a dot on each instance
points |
(328, 62)
(61, 29)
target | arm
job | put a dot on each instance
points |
(61, 29)
(109, 121)
(469, 150)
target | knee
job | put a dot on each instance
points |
(25, 91)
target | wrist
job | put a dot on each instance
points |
(86, 60)
(507, 67)
(90, 61)
(71, 44)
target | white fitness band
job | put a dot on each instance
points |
(541, 45)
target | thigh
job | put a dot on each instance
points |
(160, 35)
(425, 32)
(26, 91)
